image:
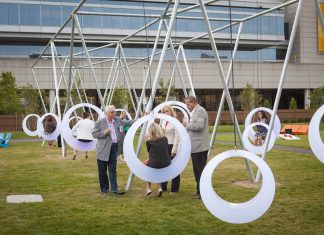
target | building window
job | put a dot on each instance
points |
(9, 14)
(29, 14)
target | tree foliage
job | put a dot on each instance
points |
(249, 98)
(317, 97)
(163, 91)
(121, 99)
(30, 101)
(9, 102)
(293, 103)
(266, 103)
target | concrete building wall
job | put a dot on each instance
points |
(203, 72)
(305, 46)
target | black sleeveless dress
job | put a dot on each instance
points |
(158, 153)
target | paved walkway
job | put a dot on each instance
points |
(278, 147)
(26, 140)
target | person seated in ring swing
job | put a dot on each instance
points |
(262, 131)
(157, 147)
(49, 124)
(83, 131)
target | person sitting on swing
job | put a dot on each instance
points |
(262, 131)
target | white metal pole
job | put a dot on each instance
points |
(114, 85)
(155, 83)
(171, 80)
(84, 92)
(221, 104)
(281, 82)
(176, 56)
(128, 86)
(222, 76)
(148, 72)
(39, 91)
(128, 74)
(187, 69)
(89, 60)
(110, 73)
(57, 93)
(113, 81)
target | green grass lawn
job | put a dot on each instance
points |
(73, 205)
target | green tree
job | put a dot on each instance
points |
(9, 102)
(121, 99)
(266, 103)
(249, 98)
(30, 100)
(317, 97)
(293, 103)
(163, 91)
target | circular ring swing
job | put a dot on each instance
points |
(75, 117)
(25, 128)
(251, 147)
(147, 173)
(67, 132)
(248, 121)
(314, 136)
(237, 213)
(174, 104)
(40, 127)
(127, 113)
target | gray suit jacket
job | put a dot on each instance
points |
(104, 141)
(198, 130)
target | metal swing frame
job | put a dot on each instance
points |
(166, 19)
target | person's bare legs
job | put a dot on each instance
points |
(160, 191)
(75, 154)
(148, 188)
(257, 141)
(50, 143)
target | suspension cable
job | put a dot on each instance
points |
(232, 71)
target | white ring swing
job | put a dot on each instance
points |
(314, 136)
(67, 132)
(147, 173)
(237, 213)
(40, 127)
(25, 128)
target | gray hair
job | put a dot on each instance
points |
(109, 108)
(191, 98)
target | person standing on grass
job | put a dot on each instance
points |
(109, 131)
(123, 116)
(197, 129)
(83, 130)
(157, 147)
(173, 143)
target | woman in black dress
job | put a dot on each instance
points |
(157, 147)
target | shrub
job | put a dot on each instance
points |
(293, 103)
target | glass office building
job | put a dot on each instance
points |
(37, 16)
(27, 26)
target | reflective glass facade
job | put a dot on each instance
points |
(52, 13)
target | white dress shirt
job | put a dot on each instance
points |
(84, 129)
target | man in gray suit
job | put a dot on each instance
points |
(109, 131)
(198, 131)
